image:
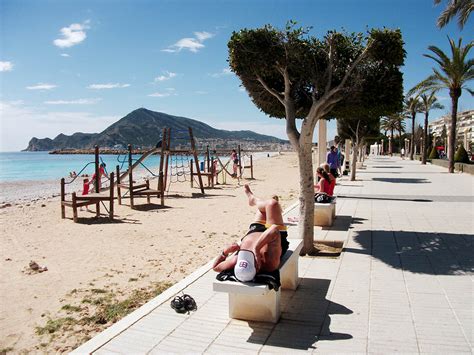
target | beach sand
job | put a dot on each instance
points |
(95, 262)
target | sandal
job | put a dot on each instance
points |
(189, 303)
(178, 304)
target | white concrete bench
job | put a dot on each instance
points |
(324, 214)
(252, 301)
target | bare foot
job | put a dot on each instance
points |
(250, 195)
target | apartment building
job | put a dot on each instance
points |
(464, 126)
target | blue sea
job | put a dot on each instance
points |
(18, 166)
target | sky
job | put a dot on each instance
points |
(78, 66)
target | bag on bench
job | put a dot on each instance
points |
(322, 198)
(271, 279)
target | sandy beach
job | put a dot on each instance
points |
(119, 264)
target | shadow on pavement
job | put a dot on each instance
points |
(305, 318)
(419, 252)
(403, 180)
(385, 198)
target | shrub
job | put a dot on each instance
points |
(461, 155)
(433, 153)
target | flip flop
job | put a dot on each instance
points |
(178, 304)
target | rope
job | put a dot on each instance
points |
(79, 173)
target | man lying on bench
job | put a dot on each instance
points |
(261, 248)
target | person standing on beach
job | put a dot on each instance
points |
(333, 160)
(85, 190)
(235, 161)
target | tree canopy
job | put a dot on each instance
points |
(316, 66)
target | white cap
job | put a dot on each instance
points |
(244, 269)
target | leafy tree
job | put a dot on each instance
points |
(289, 74)
(392, 123)
(359, 131)
(460, 8)
(452, 74)
(434, 153)
(412, 107)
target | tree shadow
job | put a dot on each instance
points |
(419, 252)
(343, 223)
(386, 167)
(305, 318)
(385, 198)
(403, 180)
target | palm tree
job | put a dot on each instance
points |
(412, 106)
(460, 8)
(453, 75)
(390, 124)
(428, 102)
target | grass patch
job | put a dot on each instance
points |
(98, 290)
(70, 308)
(53, 325)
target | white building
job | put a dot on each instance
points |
(464, 126)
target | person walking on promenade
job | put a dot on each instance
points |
(333, 160)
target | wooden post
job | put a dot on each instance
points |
(160, 172)
(192, 172)
(130, 176)
(147, 187)
(97, 176)
(74, 207)
(240, 161)
(119, 192)
(251, 167)
(111, 198)
(208, 160)
(168, 145)
(63, 198)
(162, 190)
(196, 161)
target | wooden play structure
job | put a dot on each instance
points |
(95, 198)
(213, 168)
(139, 190)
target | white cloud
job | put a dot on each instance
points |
(108, 86)
(6, 66)
(74, 102)
(167, 76)
(42, 86)
(224, 72)
(202, 36)
(65, 55)
(170, 92)
(192, 44)
(72, 35)
(40, 123)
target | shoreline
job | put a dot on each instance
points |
(27, 191)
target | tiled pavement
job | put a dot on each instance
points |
(404, 282)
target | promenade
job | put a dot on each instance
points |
(403, 283)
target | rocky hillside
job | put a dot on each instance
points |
(142, 128)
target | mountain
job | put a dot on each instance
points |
(143, 128)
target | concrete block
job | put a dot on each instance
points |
(323, 214)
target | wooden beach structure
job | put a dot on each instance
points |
(95, 198)
(139, 190)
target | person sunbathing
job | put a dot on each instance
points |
(261, 248)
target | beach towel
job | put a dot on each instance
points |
(271, 279)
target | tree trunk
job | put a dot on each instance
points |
(305, 162)
(452, 129)
(412, 144)
(391, 142)
(425, 140)
(355, 148)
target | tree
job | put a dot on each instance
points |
(358, 130)
(452, 74)
(460, 8)
(392, 123)
(412, 107)
(289, 74)
(428, 102)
